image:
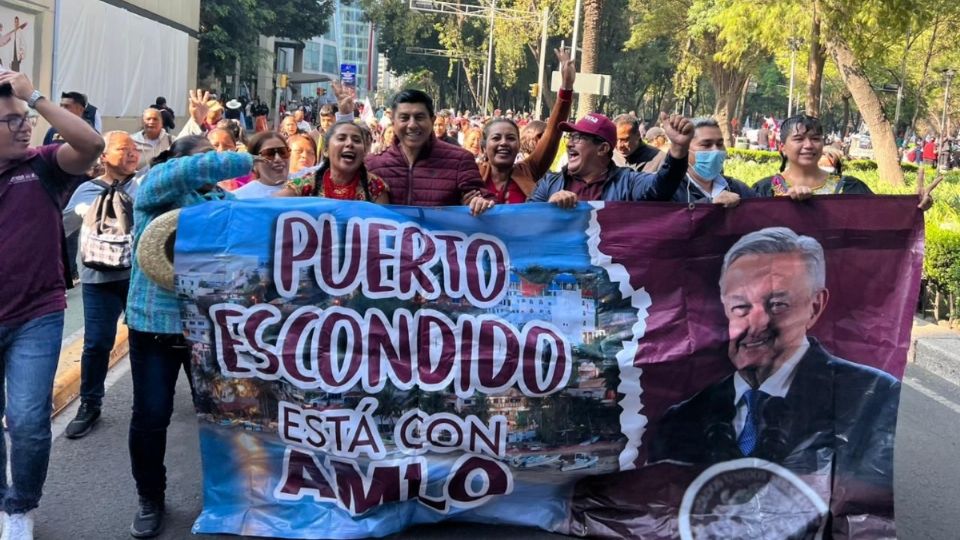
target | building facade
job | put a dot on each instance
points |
(62, 45)
(349, 40)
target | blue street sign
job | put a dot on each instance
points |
(348, 74)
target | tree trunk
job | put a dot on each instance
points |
(881, 133)
(845, 129)
(728, 83)
(592, 11)
(818, 57)
(926, 69)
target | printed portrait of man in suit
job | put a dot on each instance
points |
(790, 400)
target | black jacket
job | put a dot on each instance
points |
(837, 416)
(690, 192)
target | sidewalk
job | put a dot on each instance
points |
(936, 348)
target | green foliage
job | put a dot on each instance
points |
(860, 165)
(230, 30)
(941, 264)
(941, 261)
(756, 156)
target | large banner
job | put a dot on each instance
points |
(616, 370)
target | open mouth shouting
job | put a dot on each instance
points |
(348, 157)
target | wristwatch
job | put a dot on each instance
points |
(34, 98)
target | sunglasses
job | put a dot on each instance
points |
(272, 153)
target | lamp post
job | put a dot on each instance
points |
(794, 47)
(443, 53)
(471, 10)
(948, 75)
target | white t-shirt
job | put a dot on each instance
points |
(257, 190)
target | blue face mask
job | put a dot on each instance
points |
(709, 163)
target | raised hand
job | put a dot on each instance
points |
(20, 83)
(198, 105)
(680, 132)
(926, 200)
(568, 71)
(345, 98)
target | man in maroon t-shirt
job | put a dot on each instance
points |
(32, 288)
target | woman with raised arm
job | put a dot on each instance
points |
(513, 181)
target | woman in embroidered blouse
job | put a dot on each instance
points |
(800, 175)
(342, 175)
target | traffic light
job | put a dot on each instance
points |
(282, 80)
(535, 89)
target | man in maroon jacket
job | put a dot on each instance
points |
(422, 170)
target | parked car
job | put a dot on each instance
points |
(861, 147)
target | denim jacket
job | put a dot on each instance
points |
(168, 186)
(624, 184)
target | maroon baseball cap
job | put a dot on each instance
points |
(594, 124)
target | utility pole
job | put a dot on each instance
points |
(489, 71)
(576, 30)
(473, 10)
(794, 46)
(948, 75)
(541, 76)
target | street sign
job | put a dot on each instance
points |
(348, 74)
(586, 83)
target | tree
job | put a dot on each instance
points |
(230, 30)
(592, 13)
(724, 40)
(815, 63)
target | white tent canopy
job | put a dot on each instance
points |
(120, 60)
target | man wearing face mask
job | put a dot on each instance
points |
(705, 182)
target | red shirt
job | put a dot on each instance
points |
(30, 258)
(588, 192)
(513, 194)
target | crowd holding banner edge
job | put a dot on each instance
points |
(153, 172)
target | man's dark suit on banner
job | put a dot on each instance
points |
(790, 402)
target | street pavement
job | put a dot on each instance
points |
(90, 495)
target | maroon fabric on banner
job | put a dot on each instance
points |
(873, 249)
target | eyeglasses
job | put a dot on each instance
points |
(16, 123)
(272, 153)
(576, 137)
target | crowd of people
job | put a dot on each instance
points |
(411, 155)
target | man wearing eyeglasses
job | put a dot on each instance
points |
(591, 174)
(32, 183)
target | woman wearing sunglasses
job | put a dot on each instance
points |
(270, 168)
(342, 175)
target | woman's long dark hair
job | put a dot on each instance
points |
(184, 146)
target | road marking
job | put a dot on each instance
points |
(932, 394)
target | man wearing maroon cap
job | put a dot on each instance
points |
(591, 175)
